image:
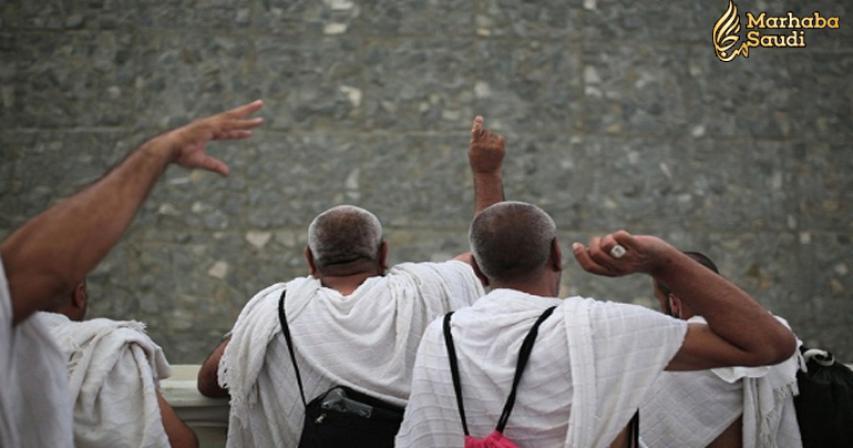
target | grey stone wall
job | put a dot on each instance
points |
(616, 111)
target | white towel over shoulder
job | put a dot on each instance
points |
(366, 340)
(113, 371)
(694, 408)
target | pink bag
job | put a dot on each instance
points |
(493, 440)
(496, 439)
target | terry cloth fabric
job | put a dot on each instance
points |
(592, 364)
(35, 410)
(694, 408)
(366, 340)
(113, 369)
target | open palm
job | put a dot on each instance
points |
(189, 143)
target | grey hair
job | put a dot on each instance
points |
(511, 239)
(343, 234)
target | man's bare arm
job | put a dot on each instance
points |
(54, 251)
(485, 156)
(208, 374)
(180, 435)
(740, 332)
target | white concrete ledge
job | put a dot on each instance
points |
(207, 416)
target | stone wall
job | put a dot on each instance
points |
(617, 115)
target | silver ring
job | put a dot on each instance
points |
(617, 251)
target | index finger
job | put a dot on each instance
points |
(246, 109)
(477, 127)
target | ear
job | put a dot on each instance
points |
(312, 266)
(556, 258)
(674, 305)
(383, 256)
(476, 267)
(79, 296)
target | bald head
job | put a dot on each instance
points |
(511, 240)
(344, 234)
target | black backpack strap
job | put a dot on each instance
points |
(634, 430)
(454, 370)
(282, 319)
(523, 357)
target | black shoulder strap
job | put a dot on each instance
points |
(634, 430)
(454, 370)
(523, 357)
(282, 319)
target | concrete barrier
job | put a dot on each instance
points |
(208, 417)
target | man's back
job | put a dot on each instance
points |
(488, 337)
(690, 406)
(698, 408)
(366, 340)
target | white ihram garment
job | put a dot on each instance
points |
(589, 370)
(692, 409)
(113, 369)
(366, 341)
(35, 410)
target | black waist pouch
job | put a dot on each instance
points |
(343, 417)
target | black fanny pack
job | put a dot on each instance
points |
(342, 416)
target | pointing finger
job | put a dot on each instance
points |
(246, 109)
(477, 127)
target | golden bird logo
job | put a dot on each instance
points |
(725, 35)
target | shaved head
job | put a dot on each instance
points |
(511, 240)
(344, 234)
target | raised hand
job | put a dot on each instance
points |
(637, 254)
(187, 144)
(86, 225)
(486, 150)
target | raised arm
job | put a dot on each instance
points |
(54, 251)
(485, 156)
(740, 332)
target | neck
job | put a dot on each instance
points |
(541, 286)
(348, 277)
